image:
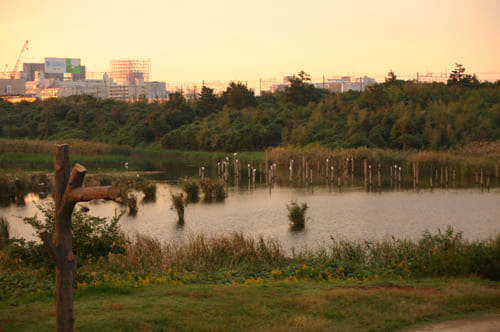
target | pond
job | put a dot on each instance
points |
(349, 212)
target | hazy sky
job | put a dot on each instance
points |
(195, 40)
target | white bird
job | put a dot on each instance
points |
(126, 164)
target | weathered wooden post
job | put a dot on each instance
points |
(67, 192)
(365, 169)
(379, 176)
(370, 174)
(482, 183)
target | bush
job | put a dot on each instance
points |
(178, 205)
(296, 214)
(213, 189)
(93, 238)
(191, 188)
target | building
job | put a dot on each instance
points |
(62, 69)
(340, 84)
(12, 87)
(346, 83)
(156, 90)
(128, 79)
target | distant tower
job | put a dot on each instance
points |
(125, 71)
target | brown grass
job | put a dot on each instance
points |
(77, 146)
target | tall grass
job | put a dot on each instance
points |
(199, 253)
(10, 146)
(465, 159)
(199, 258)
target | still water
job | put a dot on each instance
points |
(351, 213)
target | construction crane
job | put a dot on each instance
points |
(13, 73)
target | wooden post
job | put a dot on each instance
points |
(370, 174)
(365, 167)
(266, 166)
(482, 183)
(379, 176)
(67, 192)
(441, 176)
(417, 175)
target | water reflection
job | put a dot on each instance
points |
(345, 208)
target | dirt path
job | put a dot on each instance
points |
(483, 323)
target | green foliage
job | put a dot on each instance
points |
(447, 254)
(238, 96)
(192, 189)
(296, 215)
(93, 238)
(213, 189)
(301, 92)
(208, 102)
(458, 77)
(394, 114)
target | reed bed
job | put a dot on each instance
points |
(199, 253)
(77, 147)
(236, 258)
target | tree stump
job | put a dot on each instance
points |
(67, 192)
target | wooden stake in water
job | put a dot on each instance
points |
(365, 168)
(417, 174)
(482, 184)
(327, 168)
(441, 176)
(370, 173)
(379, 176)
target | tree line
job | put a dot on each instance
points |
(394, 114)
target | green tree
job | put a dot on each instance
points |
(238, 96)
(176, 99)
(459, 77)
(301, 92)
(208, 101)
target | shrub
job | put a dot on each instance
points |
(191, 188)
(178, 205)
(296, 214)
(93, 237)
(213, 189)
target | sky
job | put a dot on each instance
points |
(232, 40)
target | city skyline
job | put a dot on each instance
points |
(234, 41)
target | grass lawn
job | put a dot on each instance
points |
(259, 306)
